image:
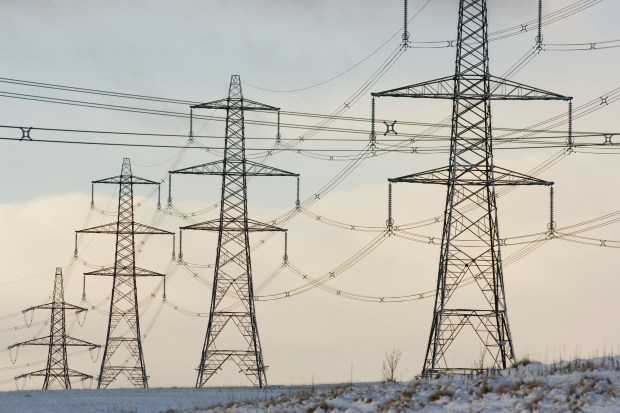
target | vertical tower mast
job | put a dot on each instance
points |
(57, 373)
(124, 321)
(470, 247)
(233, 268)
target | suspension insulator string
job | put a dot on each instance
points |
(84, 288)
(297, 202)
(390, 221)
(570, 125)
(174, 255)
(278, 136)
(191, 125)
(180, 246)
(405, 43)
(285, 248)
(373, 134)
(169, 190)
(551, 225)
(163, 299)
(539, 37)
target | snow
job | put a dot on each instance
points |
(589, 386)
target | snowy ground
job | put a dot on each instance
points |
(577, 386)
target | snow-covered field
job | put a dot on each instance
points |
(575, 386)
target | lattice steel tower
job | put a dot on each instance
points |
(470, 247)
(57, 373)
(124, 320)
(233, 269)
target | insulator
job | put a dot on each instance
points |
(539, 37)
(551, 225)
(180, 246)
(297, 202)
(278, 136)
(92, 195)
(84, 288)
(191, 125)
(169, 189)
(285, 247)
(373, 134)
(390, 220)
(570, 124)
(174, 255)
(405, 43)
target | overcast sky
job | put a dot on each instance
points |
(561, 297)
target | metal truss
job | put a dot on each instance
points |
(57, 373)
(470, 247)
(123, 347)
(233, 269)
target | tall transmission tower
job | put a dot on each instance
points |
(233, 269)
(124, 319)
(57, 372)
(470, 246)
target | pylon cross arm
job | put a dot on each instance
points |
(72, 341)
(246, 104)
(113, 228)
(111, 272)
(234, 226)
(504, 89)
(258, 169)
(63, 306)
(41, 341)
(470, 176)
(210, 168)
(442, 88)
(133, 180)
(499, 89)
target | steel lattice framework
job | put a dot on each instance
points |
(470, 240)
(57, 372)
(233, 269)
(124, 320)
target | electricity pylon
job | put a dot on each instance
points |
(124, 320)
(233, 269)
(470, 246)
(57, 373)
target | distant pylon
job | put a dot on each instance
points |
(233, 270)
(57, 372)
(470, 248)
(124, 319)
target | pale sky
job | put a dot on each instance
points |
(561, 297)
